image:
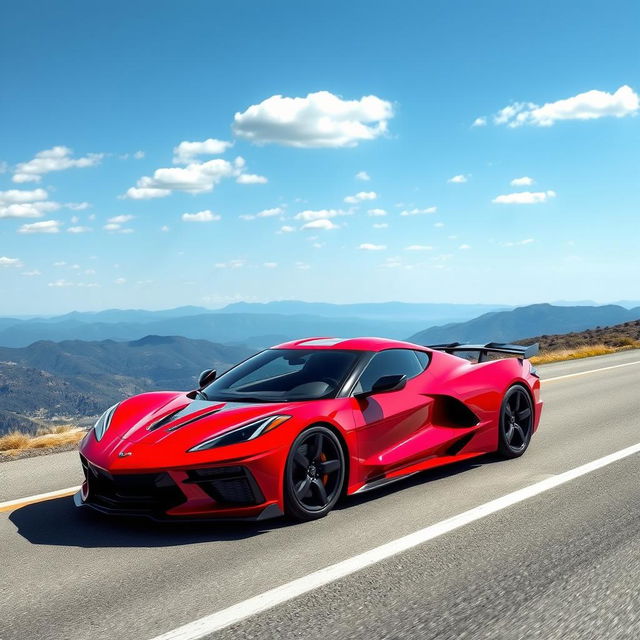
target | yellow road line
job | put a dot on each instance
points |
(11, 505)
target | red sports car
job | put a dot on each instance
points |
(294, 427)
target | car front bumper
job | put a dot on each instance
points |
(238, 490)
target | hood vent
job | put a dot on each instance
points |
(202, 415)
(166, 420)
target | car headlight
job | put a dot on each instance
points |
(242, 434)
(103, 422)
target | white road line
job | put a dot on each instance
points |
(11, 504)
(584, 373)
(269, 599)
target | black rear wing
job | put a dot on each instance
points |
(491, 347)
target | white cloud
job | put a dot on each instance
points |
(251, 178)
(187, 152)
(323, 223)
(589, 105)
(60, 283)
(380, 225)
(138, 155)
(361, 196)
(286, 229)
(464, 247)
(201, 216)
(144, 193)
(418, 247)
(524, 197)
(480, 122)
(31, 274)
(20, 196)
(268, 213)
(270, 265)
(194, 178)
(77, 206)
(10, 262)
(303, 266)
(319, 120)
(46, 226)
(438, 225)
(367, 246)
(392, 263)
(4, 167)
(59, 263)
(319, 214)
(28, 209)
(121, 219)
(231, 264)
(18, 203)
(265, 213)
(418, 212)
(519, 243)
(363, 175)
(165, 228)
(79, 229)
(377, 212)
(120, 281)
(460, 178)
(525, 181)
(54, 159)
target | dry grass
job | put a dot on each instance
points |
(17, 441)
(584, 351)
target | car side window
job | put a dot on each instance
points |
(391, 362)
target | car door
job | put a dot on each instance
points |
(386, 423)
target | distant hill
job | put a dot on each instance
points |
(425, 312)
(77, 378)
(616, 336)
(255, 329)
(531, 320)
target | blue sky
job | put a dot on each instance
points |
(108, 90)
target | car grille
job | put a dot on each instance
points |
(145, 493)
(227, 485)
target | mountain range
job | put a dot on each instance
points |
(78, 378)
(257, 325)
(524, 322)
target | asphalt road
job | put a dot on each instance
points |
(562, 564)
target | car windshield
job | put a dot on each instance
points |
(284, 375)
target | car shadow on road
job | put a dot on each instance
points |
(60, 523)
(420, 478)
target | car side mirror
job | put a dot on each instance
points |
(386, 384)
(206, 377)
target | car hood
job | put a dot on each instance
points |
(177, 420)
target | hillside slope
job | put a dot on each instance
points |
(76, 379)
(532, 320)
(616, 336)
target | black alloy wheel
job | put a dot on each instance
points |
(516, 422)
(314, 474)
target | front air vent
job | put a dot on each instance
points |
(194, 419)
(163, 421)
(227, 485)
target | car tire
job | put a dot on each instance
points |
(314, 474)
(516, 422)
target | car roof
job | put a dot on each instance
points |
(353, 344)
